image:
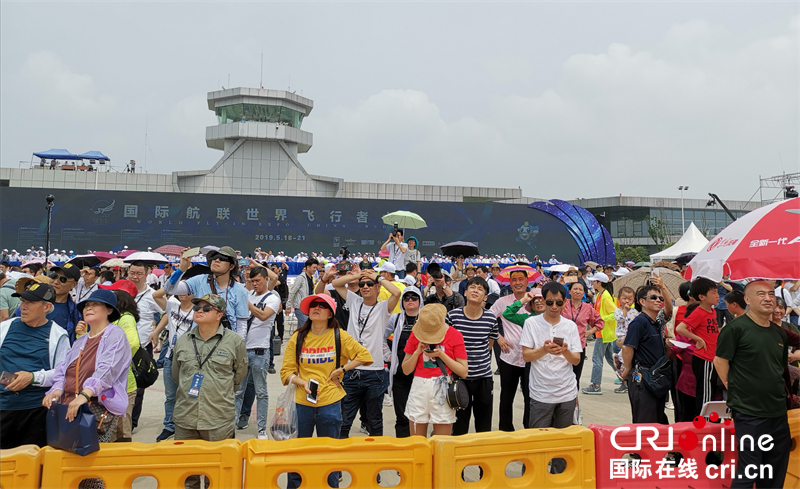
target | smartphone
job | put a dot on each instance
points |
(430, 349)
(558, 341)
(313, 386)
(571, 279)
(244, 262)
(655, 272)
(191, 252)
(6, 378)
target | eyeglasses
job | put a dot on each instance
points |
(410, 298)
(368, 283)
(55, 276)
(654, 297)
(550, 302)
(205, 308)
(135, 274)
(320, 305)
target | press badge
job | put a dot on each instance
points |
(197, 381)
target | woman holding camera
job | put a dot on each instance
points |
(309, 363)
(431, 341)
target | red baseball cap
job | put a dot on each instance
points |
(306, 304)
(124, 285)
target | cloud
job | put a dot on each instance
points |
(60, 88)
(189, 119)
(699, 105)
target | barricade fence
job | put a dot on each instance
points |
(682, 455)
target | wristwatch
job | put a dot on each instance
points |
(378, 280)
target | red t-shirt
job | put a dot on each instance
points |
(704, 324)
(452, 344)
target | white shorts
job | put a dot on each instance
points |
(424, 406)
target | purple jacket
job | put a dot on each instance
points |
(109, 381)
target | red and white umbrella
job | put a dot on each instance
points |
(764, 243)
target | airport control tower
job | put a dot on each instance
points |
(260, 133)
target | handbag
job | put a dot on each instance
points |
(457, 394)
(658, 378)
(78, 436)
(144, 369)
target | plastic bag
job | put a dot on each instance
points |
(284, 424)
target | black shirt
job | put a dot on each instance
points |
(645, 339)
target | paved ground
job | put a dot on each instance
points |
(609, 409)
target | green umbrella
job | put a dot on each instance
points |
(642, 264)
(405, 220)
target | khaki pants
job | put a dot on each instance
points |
(123, 432)
(217, 434)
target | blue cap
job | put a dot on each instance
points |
(106, 297)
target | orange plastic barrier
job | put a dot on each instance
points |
(538, 449)
(678, 455)
(169, 462)
(20, 467)
(363, 458)
(792, 480)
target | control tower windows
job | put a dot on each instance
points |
(259, 113)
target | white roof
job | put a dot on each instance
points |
(692, 241)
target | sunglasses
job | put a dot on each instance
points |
(550, 302)
(204, 308)
(368, 283)
(55, 276)
(654, 297)
(320, 305)
(410, 298)
(226, 259)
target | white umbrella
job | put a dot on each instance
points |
(148, 257)
(561, 268)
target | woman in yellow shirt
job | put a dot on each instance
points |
(315, 359)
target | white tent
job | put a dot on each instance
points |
(692, 241)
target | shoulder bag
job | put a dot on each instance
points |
(457, 395)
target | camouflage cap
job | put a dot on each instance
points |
(227, 251)
(212, 299)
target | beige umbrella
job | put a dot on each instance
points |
(116, 262)
(635, 279)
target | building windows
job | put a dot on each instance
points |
(259, 113)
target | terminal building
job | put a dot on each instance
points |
(259, 134)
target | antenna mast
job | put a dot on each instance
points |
(261, 81)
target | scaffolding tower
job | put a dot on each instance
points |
(780, 187)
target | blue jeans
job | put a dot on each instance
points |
(602, 350)
(401, 274)
(301, 318)
(257, 369)
(170, 388)
(367, 387)
(328, 422)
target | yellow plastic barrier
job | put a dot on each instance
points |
(20, 467)
(492, 452)
(792, 480)
(169, 462)
(362, 458)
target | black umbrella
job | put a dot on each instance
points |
(195, 270)
(91, 260)
(685, 258)
(460, 248)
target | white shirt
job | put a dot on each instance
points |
(179, 321)
(147, 309)
(152, 279)
(163, 279)
(82, 291)
(552, 379)
(258, 336)
(511, 332)
(370, 335)
(494, 287)
(397, 254)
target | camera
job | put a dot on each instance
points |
(435, 270)
(394, 232)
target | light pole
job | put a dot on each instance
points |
(683, 222)
(50, 199)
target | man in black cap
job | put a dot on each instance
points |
(65, 311)
(31, 346)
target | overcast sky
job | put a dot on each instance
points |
(565, 100)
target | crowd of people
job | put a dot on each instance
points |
(364, 330)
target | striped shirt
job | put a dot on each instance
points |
(476, 333)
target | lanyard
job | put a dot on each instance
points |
(85, 291)
(182, 320)
(141, 296)
(575, 316)
(197, 353)
(364, 323)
